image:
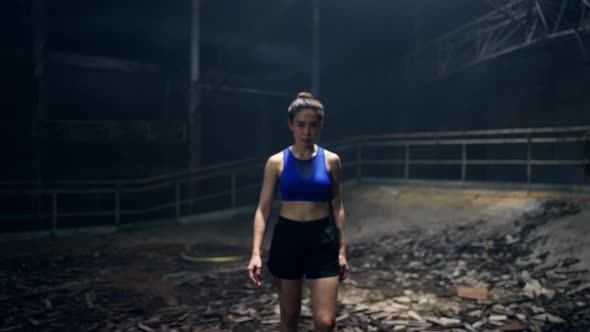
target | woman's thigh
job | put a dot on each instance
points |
(324, 293)
(289, 295)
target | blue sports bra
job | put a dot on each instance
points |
(305, 180)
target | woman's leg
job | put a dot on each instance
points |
(324, 292)
(290, 303)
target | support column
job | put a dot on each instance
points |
(529, 156)
(587, 157)
(39, 73)
(195, 134)
(463, 162)
(315, 61)
(407, 162)
(39, 56)
(168, 145)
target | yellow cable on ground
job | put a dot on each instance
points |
(221, 259)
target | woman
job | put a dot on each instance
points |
(306, 241)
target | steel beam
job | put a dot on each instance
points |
(510, 26)
(101, 130)
(103, 63)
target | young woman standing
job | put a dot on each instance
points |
(308, 239)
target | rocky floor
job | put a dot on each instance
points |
(457, 276)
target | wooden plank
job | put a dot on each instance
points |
(476, 293)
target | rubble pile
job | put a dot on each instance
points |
(454, 279)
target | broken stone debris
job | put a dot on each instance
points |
(450, 280)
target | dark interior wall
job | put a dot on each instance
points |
(17, 86)
(152, 32)
(363, 49)
(262, 45)
(103, 95)
(535, 87)
(241, 126)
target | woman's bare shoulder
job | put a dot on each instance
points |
(276, 160)
(331, 156)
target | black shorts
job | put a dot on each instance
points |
(304, 248)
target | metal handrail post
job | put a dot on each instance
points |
(117, 208)
(359, 162)
(528, 160)
(54, 213)
(407, 162)
(463, 162)
(177, 200)
(234, 190)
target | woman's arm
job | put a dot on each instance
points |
(267, 192)
(338, 211)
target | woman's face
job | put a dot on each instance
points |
(306, 125)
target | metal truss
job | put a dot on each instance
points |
(510, 26)
(100, 130)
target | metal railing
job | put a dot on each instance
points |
(66, 204)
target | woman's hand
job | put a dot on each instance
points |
(254, 269)
(343, 266)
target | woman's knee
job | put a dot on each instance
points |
(290, 319)
(324, 323)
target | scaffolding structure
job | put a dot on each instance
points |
(511, 25)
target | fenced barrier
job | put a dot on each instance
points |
(450, 155)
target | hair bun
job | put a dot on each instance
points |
(305, 95)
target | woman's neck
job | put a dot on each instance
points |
(303, 152)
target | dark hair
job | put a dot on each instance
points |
(305, 100)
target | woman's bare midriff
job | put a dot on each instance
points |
(304, 211)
